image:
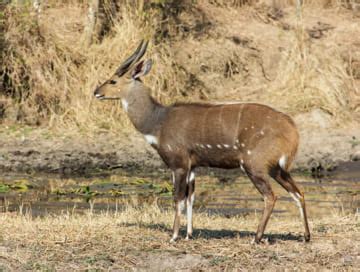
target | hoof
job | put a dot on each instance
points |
(307, 238)
(173, 240)
(258, 241)
(188, 237)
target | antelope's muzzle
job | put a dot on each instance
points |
(97, 94)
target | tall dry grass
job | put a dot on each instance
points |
(314, 76)
(51, 75)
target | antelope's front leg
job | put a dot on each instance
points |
(180, 185)
(190, 197)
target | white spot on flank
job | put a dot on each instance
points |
(226, 145)
(236, 141)
(252, 126)
(242, 144)
(202, 146)
(209, 146)
(245, 128)
(235, 147)
(125, 104)
(218, 146)
(249, 152)
(262, 132)
(169, 147)
(151, 139)
(282, 162)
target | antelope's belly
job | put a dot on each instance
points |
(216, 156)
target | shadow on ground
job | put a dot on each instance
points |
(209, 234)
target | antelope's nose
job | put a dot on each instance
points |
(97, 93)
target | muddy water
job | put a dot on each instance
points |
(221, 192)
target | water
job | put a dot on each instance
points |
(232, 195)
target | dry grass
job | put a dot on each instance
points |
(53, 75)
(48, 55)
(138, 238)
(309, 78)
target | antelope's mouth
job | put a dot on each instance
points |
(103, 97)
(100, 96)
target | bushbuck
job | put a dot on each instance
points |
(250, 136)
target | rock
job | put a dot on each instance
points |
(355, 156)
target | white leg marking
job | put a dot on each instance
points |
(189, 206)
(169, 147)
(173, 239)
(151, 139)
(242, 168)
(125, 104)
(181, 206)
(192, 176)
(242, 161)
(298, 203)
(282, 162)
(173, 177)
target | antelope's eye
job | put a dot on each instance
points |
(112, 82)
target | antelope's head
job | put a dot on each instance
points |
(130, 71)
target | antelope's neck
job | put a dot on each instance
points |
(144, 111)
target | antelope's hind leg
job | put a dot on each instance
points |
(262, 184)
(286, 181)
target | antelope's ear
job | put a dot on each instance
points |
(141, 69)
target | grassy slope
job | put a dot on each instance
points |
(203, 51)
(138, 238)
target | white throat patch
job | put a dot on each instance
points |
(125, 104)
(151, 139)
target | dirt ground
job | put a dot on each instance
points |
(138, 239)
